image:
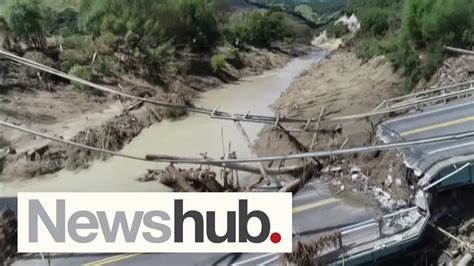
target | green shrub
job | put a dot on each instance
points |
(432, 60)
(77, 41)
(70, 58)
(446, 21)
(161, 54)
(107, 65)
(66, 19)
(260, 28)
(80, 49)
(106, 43)
(218, 62)
(80, 72)
(187, 22)
(374, 22)
(131, 39)
(407, 59)
(368, 47)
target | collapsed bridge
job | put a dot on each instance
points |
(443, 116)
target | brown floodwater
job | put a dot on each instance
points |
(190, 136)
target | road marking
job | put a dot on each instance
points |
(253, 259)
(111, 259)
(451, 147)
(315, 205)
(295, 210)
(437, 126)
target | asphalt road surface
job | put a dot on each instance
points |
(316, 211)
(453, 118)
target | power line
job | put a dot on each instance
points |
(189, 160)
(78, 145)
(373, 148)
(215, 113)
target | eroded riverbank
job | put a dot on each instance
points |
(188, 136)
(92, 118)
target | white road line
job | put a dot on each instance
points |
(253, 259)
(450, 147)
(269, 261)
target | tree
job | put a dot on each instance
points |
(260, 28)
(446, 21)
(65, 21)
(149, 23)
(26, 22)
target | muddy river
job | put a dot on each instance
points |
(187, 137)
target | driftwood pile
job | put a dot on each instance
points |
(454, 70)
(8, 235)
(190, 180)
(202, 179)
(309, 253)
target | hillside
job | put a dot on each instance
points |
(314, 12)
(57, 5)
(319, 6)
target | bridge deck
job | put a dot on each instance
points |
(438, 120)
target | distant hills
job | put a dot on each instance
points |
(319, 6)
(315, 13)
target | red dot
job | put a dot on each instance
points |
(275, 238)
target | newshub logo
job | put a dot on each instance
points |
(154, 222)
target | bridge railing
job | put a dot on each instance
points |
(377, 228)
(416, 101)
(413, 98)
(385, 232)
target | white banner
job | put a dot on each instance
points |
(154, 222)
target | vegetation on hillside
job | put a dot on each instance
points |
(319, 6)
(412, 32)
(260, 28)
(149, 36)
(317, 12)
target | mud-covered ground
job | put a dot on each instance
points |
(52, 106)
(344, 85)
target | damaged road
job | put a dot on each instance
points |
(314, 200)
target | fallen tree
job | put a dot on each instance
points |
(190, 180)
(287, 170)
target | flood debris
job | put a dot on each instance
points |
(310, 252)
(51, 157)
(454, 70)
(203, 179)
(189, 180)
(380, 175)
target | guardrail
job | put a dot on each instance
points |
(414, 97)
(372, 234)
(417, 100)
(384, 232)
